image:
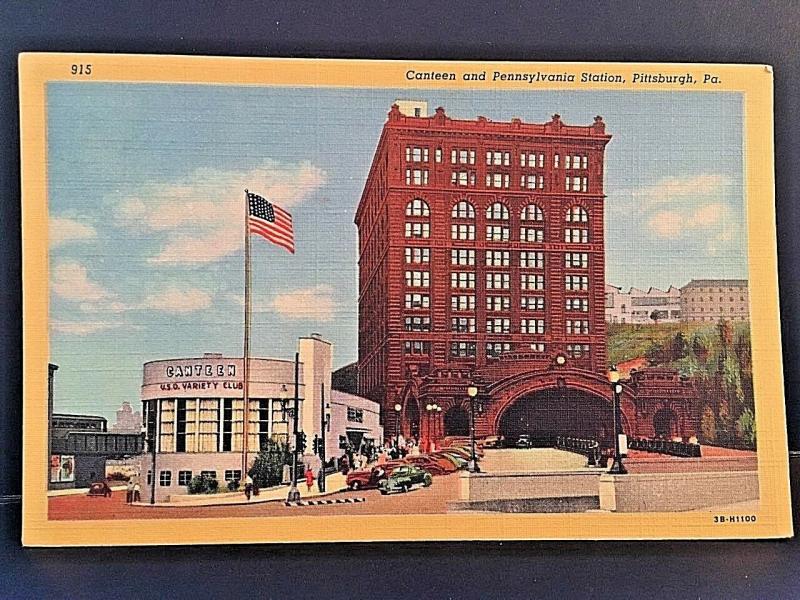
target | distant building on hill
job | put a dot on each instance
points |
(641, 307)
(714, 299)
(128, 420)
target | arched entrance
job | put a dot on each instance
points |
(411, 424)
(456, 422)
(665, 423)
(546, 414)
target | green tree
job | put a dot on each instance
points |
(746, 426)
(708, 425)
(679, 347)
(267, 469)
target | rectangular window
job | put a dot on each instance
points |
(165, 478)
(530, 234)
(532, 302)
(584, 184)
(584, 162)
(577, 304)
(498, 325)
(438, 155)
(537, 347)
(576, 236)
(418, 230)
(495, 349)
(497, 233)
(462, 349)
(465, 280)
(498, 303)
(417, 347)
(577, 350)
(580, 327)
(462, 232)
(531, 260)
(555, 160)
(530, 281)
(233, 475)
(462, 256)
(497, 258)
(498, 180)
(418, 255)
(416, 154)
(532, 326)
(418, 279)
(227, 424)
(576, 184)
(498, 281)
(462, 324)
(208, 474)
(416, 176)
(462, 302)
(576, 260)
(180, 432)
(576, 282)
(184, 477)
(355, 415)
(418, 301)
(417, 323)
(568, 161)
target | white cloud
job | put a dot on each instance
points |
(175, 300)
(681, 190)
(63, 230)
(83, 328)
(708, 216)
(312, 303)
(201, 217)
(666, 224)
(70, 280)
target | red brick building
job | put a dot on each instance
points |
(481, 260)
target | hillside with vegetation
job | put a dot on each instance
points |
(717, 356)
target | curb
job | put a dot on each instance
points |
(325, 502)
(242, 502)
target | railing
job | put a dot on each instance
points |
(586, 447)
(682, 449)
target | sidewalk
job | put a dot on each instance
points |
(79, 491)
(334, 483)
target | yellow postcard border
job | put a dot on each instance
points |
(753, 81)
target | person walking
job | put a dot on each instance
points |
(309, 478)
(129, 491)
(248, 487)
(137, 491)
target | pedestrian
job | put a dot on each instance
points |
(309, 478)
(129, 491)
(137, 492)
(248, 487)
(344, 465)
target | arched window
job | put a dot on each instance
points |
(463, 210)
(577, 214)
(497, 211)
(532, 213)
(417, 208)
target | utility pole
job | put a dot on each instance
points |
(294, 493)
(323, 422)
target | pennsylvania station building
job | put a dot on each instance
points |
(481, 262)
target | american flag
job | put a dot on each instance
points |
(270, 221)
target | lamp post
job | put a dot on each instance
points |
(617, 467)
(397, 408)
(438, 423)
(472, 465)
(294, 493)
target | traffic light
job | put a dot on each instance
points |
(300, 442)
(316, 444)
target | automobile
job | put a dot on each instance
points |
(434, 466)
(493, 441)
(459, 461)
(524, 441)
(99, 488)
(403, 478)
(369, 478)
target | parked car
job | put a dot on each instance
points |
(524, 441)
(459, 461)
(369, 478)
(99, 488)
(403, 478)
(493, 441)
(442, 466)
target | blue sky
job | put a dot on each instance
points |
(146, 195)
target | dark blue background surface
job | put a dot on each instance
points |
(764, 32)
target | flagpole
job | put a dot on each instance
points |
(246, 349)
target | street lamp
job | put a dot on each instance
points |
(472, 465)
(397, 408)
(438, 422)
(617, 467)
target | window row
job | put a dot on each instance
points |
(495, 281)
(495, 303)
(497, 233)
(185, 476)
(528, 259)
(466, 156)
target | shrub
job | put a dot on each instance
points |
(203, 485)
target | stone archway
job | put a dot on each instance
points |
(544, 415)
(411, 418)
(456, 422)
(665, 423)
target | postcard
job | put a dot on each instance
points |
(283, 300)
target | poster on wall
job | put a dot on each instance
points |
(456, 300)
